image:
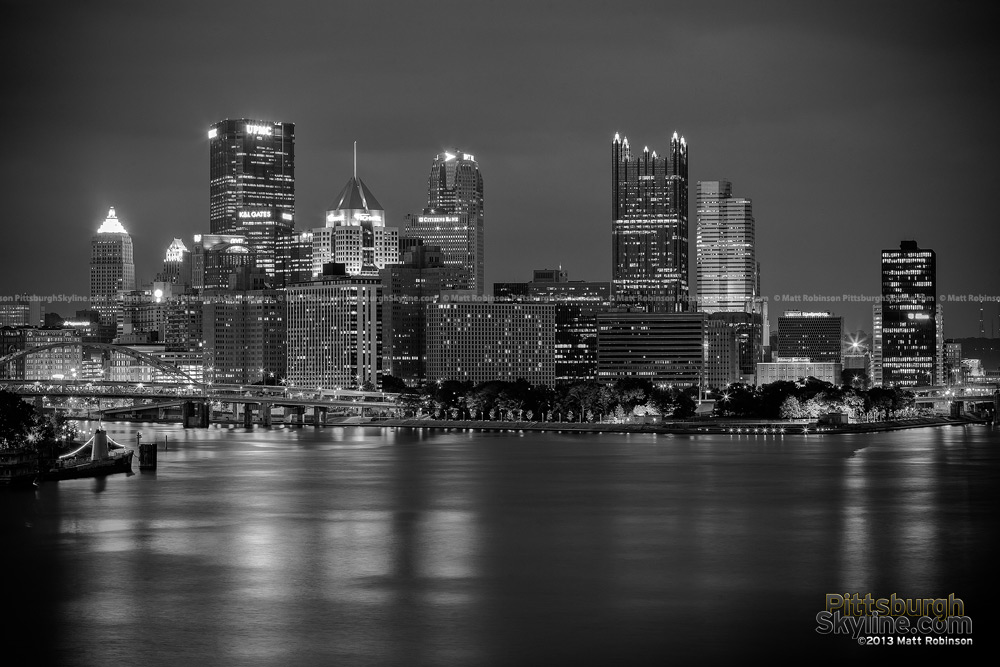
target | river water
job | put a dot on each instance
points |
(362, 546)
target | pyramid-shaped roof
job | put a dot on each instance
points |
(356, 195)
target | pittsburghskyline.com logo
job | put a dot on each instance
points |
(895, 620)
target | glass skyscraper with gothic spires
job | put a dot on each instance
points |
(649, 213)
(252, 191)
(453, 218)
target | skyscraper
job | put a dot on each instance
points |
(252, 171)
(453, 219)
(728, 273)
(909, 316)
(355, 234)
(112, 270)
(649, 213)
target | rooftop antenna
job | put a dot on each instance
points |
(982, 330)
(355, 159)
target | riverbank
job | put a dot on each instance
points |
(724, 426)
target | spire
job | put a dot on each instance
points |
(617, 139)
(355, 158)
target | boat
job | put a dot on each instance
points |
(99, 456)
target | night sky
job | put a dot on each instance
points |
(850, 125)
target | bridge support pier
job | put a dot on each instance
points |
(265, 415)
(194, 414)
(319, 416)
(248, 415)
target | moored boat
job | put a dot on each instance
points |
(105, 457)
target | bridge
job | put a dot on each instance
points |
(195, 400)
(199, 406)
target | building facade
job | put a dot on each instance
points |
(796, 369)
(335, 332)
(454, 218)
(112, 269)
(910, 350)
(479, 342)
(55, 363)
(649, 213)
(727, 268)
(814, 335)
(355, 234)
(252, 186)
(244, 335)
(669, 349)
(409, 287)
(216, 257)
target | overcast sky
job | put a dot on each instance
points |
(850, 125)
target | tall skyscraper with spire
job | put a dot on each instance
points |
(649, 213)
(252, 187)
(453, 219)
(112, 270)
(355, 234)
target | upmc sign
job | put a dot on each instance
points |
(260, 129)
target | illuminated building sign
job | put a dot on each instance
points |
(254, 214)
(438, 218)
(286, 216)
(260, 129)
(213, 133)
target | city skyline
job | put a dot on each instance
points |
(828, 143)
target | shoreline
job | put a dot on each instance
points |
(703, 427)
(735, 427)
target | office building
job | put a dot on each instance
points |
(727, 268)
(216, 257)
(669, 349)
(15, 314)
(176, 266)
(252, 187)
(479, 342)
(876, 363)
(334, 331)
(12, 340)
(649, 212)
(910, 351)
(453, 219)
(355, 234)
(244, 333)
(409, 286)
(953, 364)
(797, 369)
(55, 363)
(813, 335)
(112, 270)
(293, 258)
(577, 304)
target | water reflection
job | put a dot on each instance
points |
(357, 545)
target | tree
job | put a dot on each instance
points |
(17, 420)
(393, 385)
(791, 408)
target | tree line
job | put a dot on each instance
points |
(631, 398)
